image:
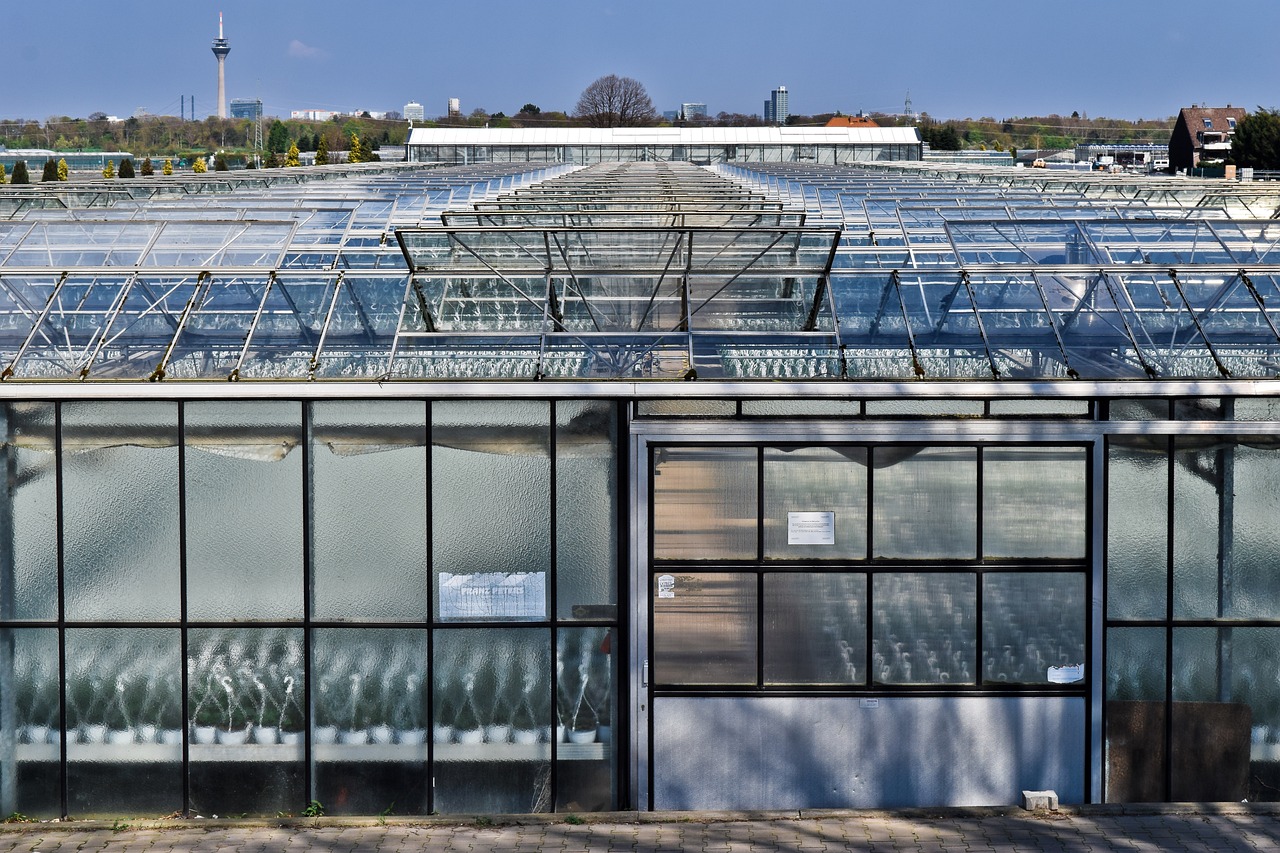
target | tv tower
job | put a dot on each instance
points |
(220, 50)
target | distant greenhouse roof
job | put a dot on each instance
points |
(570, 136)
(640, 271)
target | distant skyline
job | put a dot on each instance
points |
(1121, 59)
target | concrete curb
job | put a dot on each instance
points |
(124, 824)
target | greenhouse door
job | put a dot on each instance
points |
(864, 624)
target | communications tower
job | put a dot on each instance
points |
(220, 50)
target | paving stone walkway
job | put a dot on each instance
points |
(1228, 827)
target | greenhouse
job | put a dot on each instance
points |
(521, 487)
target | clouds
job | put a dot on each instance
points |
(301, 50)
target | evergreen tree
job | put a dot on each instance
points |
(1257, 140)
(220, 163)
(147, 168)
(50, 171)
(355, 152)
(126, 168)
(20, 175)
(277, 137)
(167, 168)
(2, 178)
(109, 170)
(291, 159)
(322, 151)
(63, 170)
(199, 166)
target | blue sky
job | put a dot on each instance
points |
(957, 58)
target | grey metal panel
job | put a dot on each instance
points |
(790, 753)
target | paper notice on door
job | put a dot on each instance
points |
(1069, 674)
(811, 528)
(666, 586)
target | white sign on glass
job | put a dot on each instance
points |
(666, 586)
(493, 595)
(811, 528)
(1069, 674)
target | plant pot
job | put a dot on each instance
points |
(119, 737)
(353, 737)
(171, 737)
(442, 734)
(582, 735)
(233, 737)
(325, 734)
(604, 734)
(291, 738)
(93, 733)
(266, 734)
(36, 734)
(524, 736)
(147, 732)
(204, 734)
(469, 736)
(497, 734)
(412, 737)
(381, 734)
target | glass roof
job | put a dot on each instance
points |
(642, 270)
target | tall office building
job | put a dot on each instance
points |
(455, 107)
(775, 109)
(688, 112)
(220, 50)
(414, 111)
(250, 108)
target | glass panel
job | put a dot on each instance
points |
(815, 628)
(1135, 715)
(1137, 524)
(691, 408)
(369, 498)
(491, 510)
(1138, 410)
(244, 511)
(30, 705)
(808, 480)
(585, 693)
(120, 510)
(704, 503)
(245, 688)
(370, 735)
(1226, 543)
(1032, 622)
(926, 502)
(1034, 502)
(29, 552)
(1039, 408)
(704, 629)
(924, 628)
(801, 408)
(1257, 409)
(1226, 691)
(491, 686)
(908, 407)
(586, 511)
(124, 721)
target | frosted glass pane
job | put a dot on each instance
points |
(1138, 410)
(120, 510)
(1137, 506)
(1135, 663)
(371, 719)
(704, 503)
(1034, 502)
(586, 510)
(907, 407)
(1030, 622)
(1039, 408)
(924, 629)
(369, 496)
(926, 502)
(815, 628)
(28, 546)
(1247, 586)
(29, 716)
(124, 688)
(815, 479)
(704, 628)
(492, 720)
(491, 499)
(246, 689)
(585, 666)
(244, 511)
(1135, 715)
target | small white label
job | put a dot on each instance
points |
(868, 704)
(1069, 674)
(811, 528)
(666, 586)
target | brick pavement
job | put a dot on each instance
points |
(1196, 828)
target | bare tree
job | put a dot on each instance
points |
(614, 101)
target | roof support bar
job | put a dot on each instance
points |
(1222, 368)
